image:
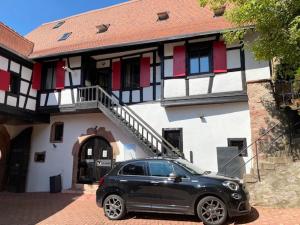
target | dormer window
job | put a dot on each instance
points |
(59, 24)
(163, 16)
(102, 28)
(65, 36)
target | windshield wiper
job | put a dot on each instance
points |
(206, 172)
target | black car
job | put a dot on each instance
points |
(171, 186)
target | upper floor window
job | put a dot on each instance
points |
(131, 73)
(200, 59)
(50, 76)
(14, 83)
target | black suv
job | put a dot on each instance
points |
(170, 186)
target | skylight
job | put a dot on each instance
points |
(102, 28)
(163, 16)
(65, 36)
(59, 24)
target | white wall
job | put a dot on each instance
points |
(59, 160)
(202, 136)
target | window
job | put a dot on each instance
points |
(160, 168)
(65, 36)
(59, 24)
(40, 157)
(241, 143)
(131, 73)
(57, 132)
(199, 59)
(174, 136)
(137, 168)
(103, 28)
(14, 83)
(49, 74)
(163, 16)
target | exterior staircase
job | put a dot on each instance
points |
(150, 141)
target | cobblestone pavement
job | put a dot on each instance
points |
(69, 209)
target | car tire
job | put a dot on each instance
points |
(114, 207)
(212, 211)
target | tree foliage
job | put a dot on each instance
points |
(277, 23)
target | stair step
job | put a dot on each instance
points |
(249, 178)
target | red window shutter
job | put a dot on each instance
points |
(145, 72)
(220, 57)
(4, 80)
(60, 75)
(179, 68)
(36, 76)
(116, 76)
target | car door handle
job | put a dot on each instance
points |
(123, 181)
(154, 182)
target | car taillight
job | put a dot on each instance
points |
(101, 181)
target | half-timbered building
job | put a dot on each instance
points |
(138, 79)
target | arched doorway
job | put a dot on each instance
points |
(94, 160)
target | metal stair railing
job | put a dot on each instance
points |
(254, 143)
(126, 116)
(255, 156)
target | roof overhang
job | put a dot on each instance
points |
(144, 42)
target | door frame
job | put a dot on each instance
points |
(92, 132)
(82, 149)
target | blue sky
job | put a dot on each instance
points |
(25, 15)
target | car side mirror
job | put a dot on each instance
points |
(173, 177)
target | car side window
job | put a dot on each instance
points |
(136, 168)
(179, 171)
(160, 168)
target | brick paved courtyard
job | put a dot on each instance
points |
(69, 209)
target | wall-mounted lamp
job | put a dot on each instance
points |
(54, 145)
(202, 117)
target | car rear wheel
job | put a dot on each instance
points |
(114, 207)
(212, 211)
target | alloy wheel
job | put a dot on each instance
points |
(113, 207)
(212, 211)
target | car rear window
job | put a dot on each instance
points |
(135, 168)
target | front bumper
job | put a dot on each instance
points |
(242, 206)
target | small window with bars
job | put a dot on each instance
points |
(240, 143)
(57, 132)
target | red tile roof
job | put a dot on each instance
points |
(14, 42)
(131, 22)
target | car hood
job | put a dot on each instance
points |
(220, 177)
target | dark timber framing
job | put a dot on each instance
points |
(19, 111)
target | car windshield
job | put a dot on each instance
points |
(189, 167)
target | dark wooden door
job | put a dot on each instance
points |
(95, 160)
(18, 161)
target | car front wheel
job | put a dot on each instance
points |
(114, 207)
(212, 211)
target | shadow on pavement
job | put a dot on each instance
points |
(253, 216)
(31, 208)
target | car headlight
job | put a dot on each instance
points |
(231, 185)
